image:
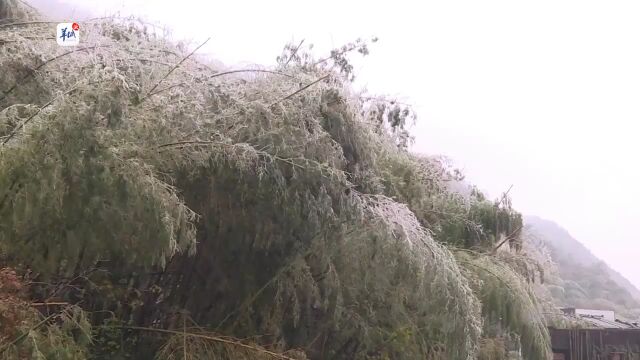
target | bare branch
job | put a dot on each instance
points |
(250, 70)
(300, 90)
(150, 93)
(504, 195)
(295, 51)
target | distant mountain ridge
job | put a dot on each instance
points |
(560, 239)
(585, 280)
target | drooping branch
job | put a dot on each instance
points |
(33, 71)
(26, 121)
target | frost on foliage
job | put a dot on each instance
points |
(265, 208)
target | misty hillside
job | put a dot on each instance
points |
(583, 280)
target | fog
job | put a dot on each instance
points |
(543, 95)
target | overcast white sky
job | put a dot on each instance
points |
(544, 95)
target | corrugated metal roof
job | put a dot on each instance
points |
(600, 322)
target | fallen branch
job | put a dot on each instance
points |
(167, 88)
(214, 338)
(49, 304)
(192, 142)
(150, 93)
(27, 23)
(509, 237)
(300, 90)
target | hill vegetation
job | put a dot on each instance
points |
(578, 278)
(153, 205)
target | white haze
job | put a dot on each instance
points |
(544, 95)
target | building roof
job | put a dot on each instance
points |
(601, 322)
(601, 319)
